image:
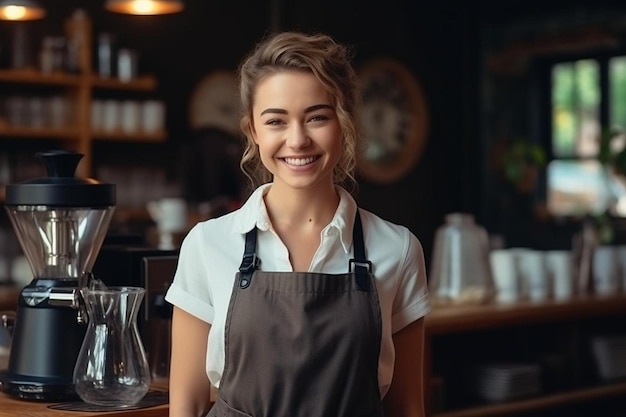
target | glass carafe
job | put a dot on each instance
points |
(112, 368)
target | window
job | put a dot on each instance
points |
(587, 98)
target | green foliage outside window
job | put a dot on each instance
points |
(575, 105)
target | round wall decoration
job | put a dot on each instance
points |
(394, 119)
(214, 102)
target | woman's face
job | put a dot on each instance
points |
(296, 129)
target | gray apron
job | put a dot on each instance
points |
(302, 344)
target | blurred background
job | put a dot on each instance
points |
(500, 107)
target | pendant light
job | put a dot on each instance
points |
(144, 7)
(21, 10)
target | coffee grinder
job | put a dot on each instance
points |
(60, 222)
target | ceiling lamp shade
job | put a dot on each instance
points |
(144, 7)
(21, 10)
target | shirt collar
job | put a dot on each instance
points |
(344, 218)
(253, 213)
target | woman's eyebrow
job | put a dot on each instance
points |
(318, 107)
(307, 110)
(270, 110)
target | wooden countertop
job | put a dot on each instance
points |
(11, 407)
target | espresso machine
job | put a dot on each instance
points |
(60, 222)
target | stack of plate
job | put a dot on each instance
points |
(610, 356)
(498, 382)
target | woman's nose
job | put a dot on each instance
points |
(297, 137)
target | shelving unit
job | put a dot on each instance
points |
(81, 87)
(458, 330)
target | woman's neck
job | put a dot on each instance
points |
(301, 208)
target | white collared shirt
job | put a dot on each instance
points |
(211, 253)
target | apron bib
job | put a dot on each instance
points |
(302, 344)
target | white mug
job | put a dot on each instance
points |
(110, 115)
(559, 267)
(153, 116)
(532, 270)
(605, 270)
(170, 214)
(130, 115)
(505, 277)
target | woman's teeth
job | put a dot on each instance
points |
(300, 161)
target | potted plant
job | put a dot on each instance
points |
(521, 163)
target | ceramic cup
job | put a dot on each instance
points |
(505, 275)
(110, 115)
(605, 270)
(559, 268)
(533, 274)
(153, 116)
(169, 214)
(130, 116)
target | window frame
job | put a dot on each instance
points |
(541, 107)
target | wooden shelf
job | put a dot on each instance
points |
(126, 137)
(538, 403)
(39, 133)
(142, 83)
(31, 76)
(467, 318)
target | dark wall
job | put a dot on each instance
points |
(436, 40)
(445, 45)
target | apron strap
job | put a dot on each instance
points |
(250, 262)
(359, 264)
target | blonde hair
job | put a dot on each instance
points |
(330, 63)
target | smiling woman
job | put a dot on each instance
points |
(283, 289)
(394, 118)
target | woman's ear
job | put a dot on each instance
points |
(252, 131)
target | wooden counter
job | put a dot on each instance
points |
(11, 407)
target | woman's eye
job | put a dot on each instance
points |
(273, 122)
(318, 118)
